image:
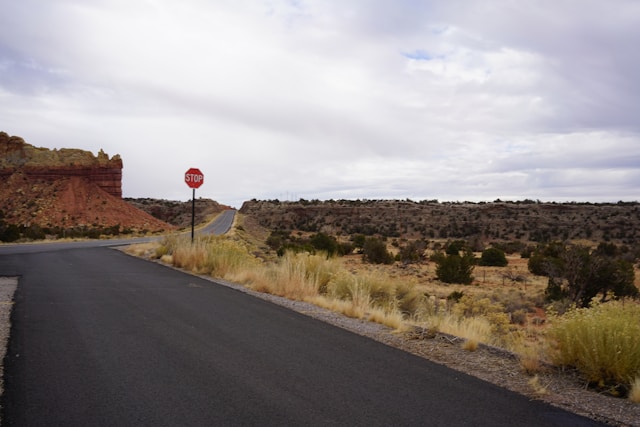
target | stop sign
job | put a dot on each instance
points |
(194, 178)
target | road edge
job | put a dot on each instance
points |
(8, 286)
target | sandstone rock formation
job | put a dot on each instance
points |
(65, 189)
(50, 165)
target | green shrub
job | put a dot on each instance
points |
(324, 242)
(375, 251)
(454, 248)
(602, 342)
(412, 252)
(358, 240)
(577, 273)
(493, 257)
(455, 268)
(9, 232)
(455, 296)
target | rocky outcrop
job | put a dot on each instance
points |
(50, 165)
(66, 189)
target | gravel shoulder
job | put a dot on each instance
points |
(8, 287)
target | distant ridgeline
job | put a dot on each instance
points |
(41, 163)
(526, 220)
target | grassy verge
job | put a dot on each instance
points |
(602, 342)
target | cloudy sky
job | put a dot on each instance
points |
(321, 99)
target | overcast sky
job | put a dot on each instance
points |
(329, 99)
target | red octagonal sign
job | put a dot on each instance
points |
(194, 178)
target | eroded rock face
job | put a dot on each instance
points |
(65, 189)
(44, 164)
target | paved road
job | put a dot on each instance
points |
(103, 339)
(220, 225)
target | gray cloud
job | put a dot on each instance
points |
(370, 99)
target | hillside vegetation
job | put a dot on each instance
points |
(528, 220)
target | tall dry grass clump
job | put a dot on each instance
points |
(474, 329)
(634, 393)
(602, 342)
(366, 290)
(217, 256)
(297, 276)
(372, 296)
(477, 320)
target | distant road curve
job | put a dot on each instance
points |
(221, 225)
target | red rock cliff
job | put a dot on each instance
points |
(65, 189)
(44, 164)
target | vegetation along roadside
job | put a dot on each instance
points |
(483, 304)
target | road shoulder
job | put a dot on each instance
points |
(8, 286)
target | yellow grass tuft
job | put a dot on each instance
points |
(529, 348)
(538, 388)
(390, 318)
(141, 249)
(478, 329)
(602, 341)
(339, 306)
(294, 276)
(530, 363)
(470, 345)
(634, 393)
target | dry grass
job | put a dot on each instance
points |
(602, 342)
(470, 345)
(142, 249)
(346, 307)
(476, 329)
(537, 387)
(294, 276)
(530, 363)
(634, 394)
(392, 319)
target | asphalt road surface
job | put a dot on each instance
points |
(221, 225)
(100, 338)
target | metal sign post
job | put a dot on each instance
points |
(194, 179)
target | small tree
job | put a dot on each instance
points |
(412, 252)
(375, 251)
(580, 275)
(358, 241)
(324, 242)
(455, 247)
(493, 257)
(455, 268)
